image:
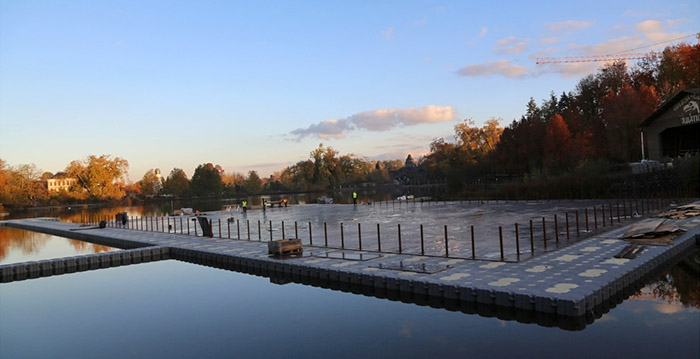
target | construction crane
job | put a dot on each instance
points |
(610, 57)
(592, 58)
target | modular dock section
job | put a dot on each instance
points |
(572, 282)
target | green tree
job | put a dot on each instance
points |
(253, 184)
(98, 176)
(150, 184)
(177, 183)
(206, 181)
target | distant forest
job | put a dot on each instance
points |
(567, 142)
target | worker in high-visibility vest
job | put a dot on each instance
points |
(264, 204)
(354, 197)
(244, 205)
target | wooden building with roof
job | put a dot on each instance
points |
(673, 130)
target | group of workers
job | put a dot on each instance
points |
(265, 203)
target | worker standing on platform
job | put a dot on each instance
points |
(264, 205)
(354, 197)
(244, 205)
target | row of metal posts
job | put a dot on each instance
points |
(628, 209)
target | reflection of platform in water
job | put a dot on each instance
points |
(413, 267)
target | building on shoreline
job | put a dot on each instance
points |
(60, 182)
(672, 130)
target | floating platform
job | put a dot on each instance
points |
(563, 286)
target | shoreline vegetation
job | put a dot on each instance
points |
(575, 145)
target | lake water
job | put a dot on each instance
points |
(173, 309)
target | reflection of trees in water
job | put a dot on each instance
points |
(25, 241)
(32, 242)
(680, 284)
(88, 247)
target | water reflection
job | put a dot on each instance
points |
(18, 245)
(679, 286)
(178, 310)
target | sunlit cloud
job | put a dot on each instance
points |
(377, 120)
(649, 26)
(549, 40)
(511, 45)
(568, 26)
(498, 67)
(388, 33)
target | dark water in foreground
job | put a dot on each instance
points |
(172, 309)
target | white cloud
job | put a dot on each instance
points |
(499, 67)
(388, 33)
(484, 31)
(568, 26)
(649, 26)
(511, 45)
(377, 120)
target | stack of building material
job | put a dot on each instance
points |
(652, 231)
(682, 212)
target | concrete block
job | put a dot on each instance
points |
(450, 292)
(485, 296)
(524, 302)
(93, 261)
(546, 305)
(504, 299)
(435, 290)
(46, 267)
(7, 273)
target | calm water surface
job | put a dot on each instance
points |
(173, 309)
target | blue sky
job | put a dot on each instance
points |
(258, 85)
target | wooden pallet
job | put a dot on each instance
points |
(284, 247)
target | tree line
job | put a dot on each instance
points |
(583, 131)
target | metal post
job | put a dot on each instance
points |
(296, 230)
(602, 212)
(188, 226)
(422, 244)
(247, 222)
(617, 207)
(283, 235)
(500, 240)
(259, 232)
(359, 234)
(586, 212)
(578, 233)
(595, 218)
(270, 231)
(228, 228)
(311, 237)
(544, 232)
(399, 226)
(556, 229)
(473, 252)
(379, 239)
(611, 213)
(238, 229)
(195, 228)
(517, 241)
(567, 226)
(325, 234)
(219, 226)
(447, 250)
(532, 238)
(342, 237)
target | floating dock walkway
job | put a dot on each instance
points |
(570, 283)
